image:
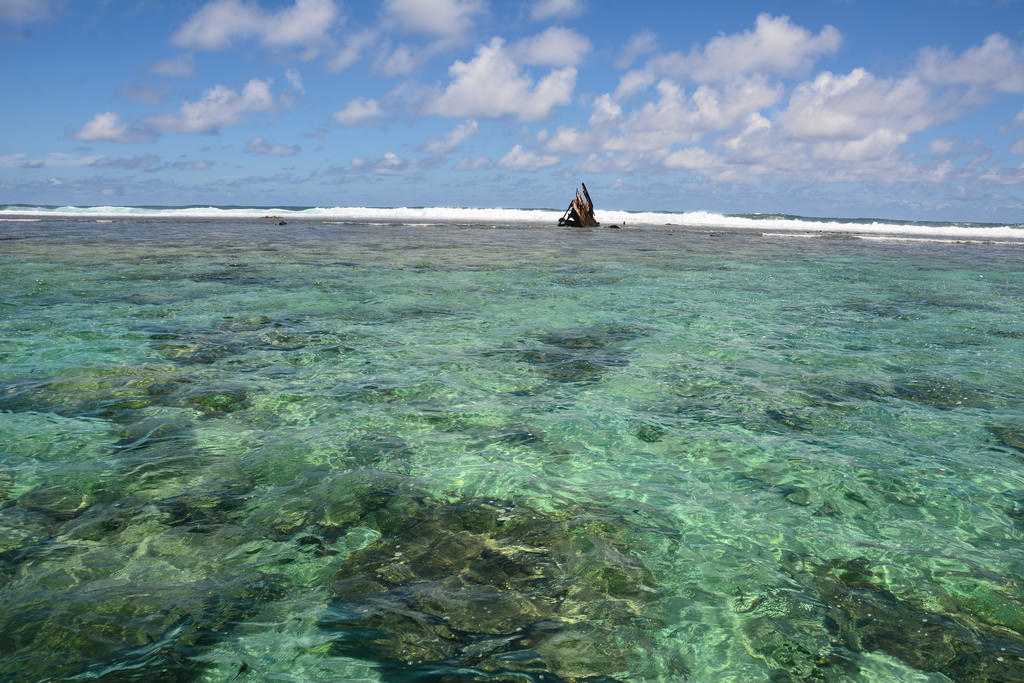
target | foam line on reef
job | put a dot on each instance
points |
(695, 219)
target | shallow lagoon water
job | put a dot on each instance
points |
(231, 450)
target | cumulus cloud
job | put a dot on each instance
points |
(519, 159)
(675, 117)
(1019, 118)
(358, 110)
(109, 127)
(554, 47)
(543, 10)
(220, 106)
(637, 46)
(439, 18)
(996, 64)
(691, 158)
(856, 105)
(606, 110)
(175, 67)
(25, 11)
(941, 146)
(221, 22)
(776, 46)
(492, 84)
(455, 137)
(388, 164)
(259, 145)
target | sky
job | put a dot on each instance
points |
(909, 109)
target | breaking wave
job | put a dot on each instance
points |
(429, 215)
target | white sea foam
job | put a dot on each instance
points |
(691, 219)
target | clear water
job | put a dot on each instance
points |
(232, 450)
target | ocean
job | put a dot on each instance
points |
(465, 445)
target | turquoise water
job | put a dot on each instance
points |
(238, 451)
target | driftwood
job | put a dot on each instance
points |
(580, 213)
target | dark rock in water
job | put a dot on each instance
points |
(881, 309)
(863, 616)
(1009, 435)
(203, 508)
(282, 222)
(249, 323)
(649, 432)
(380, 451)
(579, 356)
(199, 350)
(942, 393)
(108, 392)
(116, 631)
(216, 403)
(797, 495)
(6, 484)
(789, 419)
(58, 502)
(488, 586)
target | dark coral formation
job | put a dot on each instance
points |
(817, 629)
(492, 587)
(577, 356)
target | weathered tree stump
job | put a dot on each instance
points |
(580, 213)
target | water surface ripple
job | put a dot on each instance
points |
(336, 451)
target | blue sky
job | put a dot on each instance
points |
(896, 109)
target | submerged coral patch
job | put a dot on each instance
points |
(490, 586)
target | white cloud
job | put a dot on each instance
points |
(1018, 147)
(260, 146)
(775, 46)
(295, 80)
(874, 145)
(674, 117)
(691, 158)
(941, 146)
(519, 159)
(554, 47)
(543, 10)
(1019, 118)
(358, 110)
(453, 139)
(491, 84)
(997, 64)
(390, 163)
(351, 50)
(106, 127)
(220, 106)
(25, 11)
(51, 160)
(638, 45)
(176, 67)
(440, 18)
(220, 22)
(606, 110)
(856, 105)
(401, 61)
(633, 82)
(567, 140)
(473, 163)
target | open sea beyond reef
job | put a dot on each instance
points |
(474, 451)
